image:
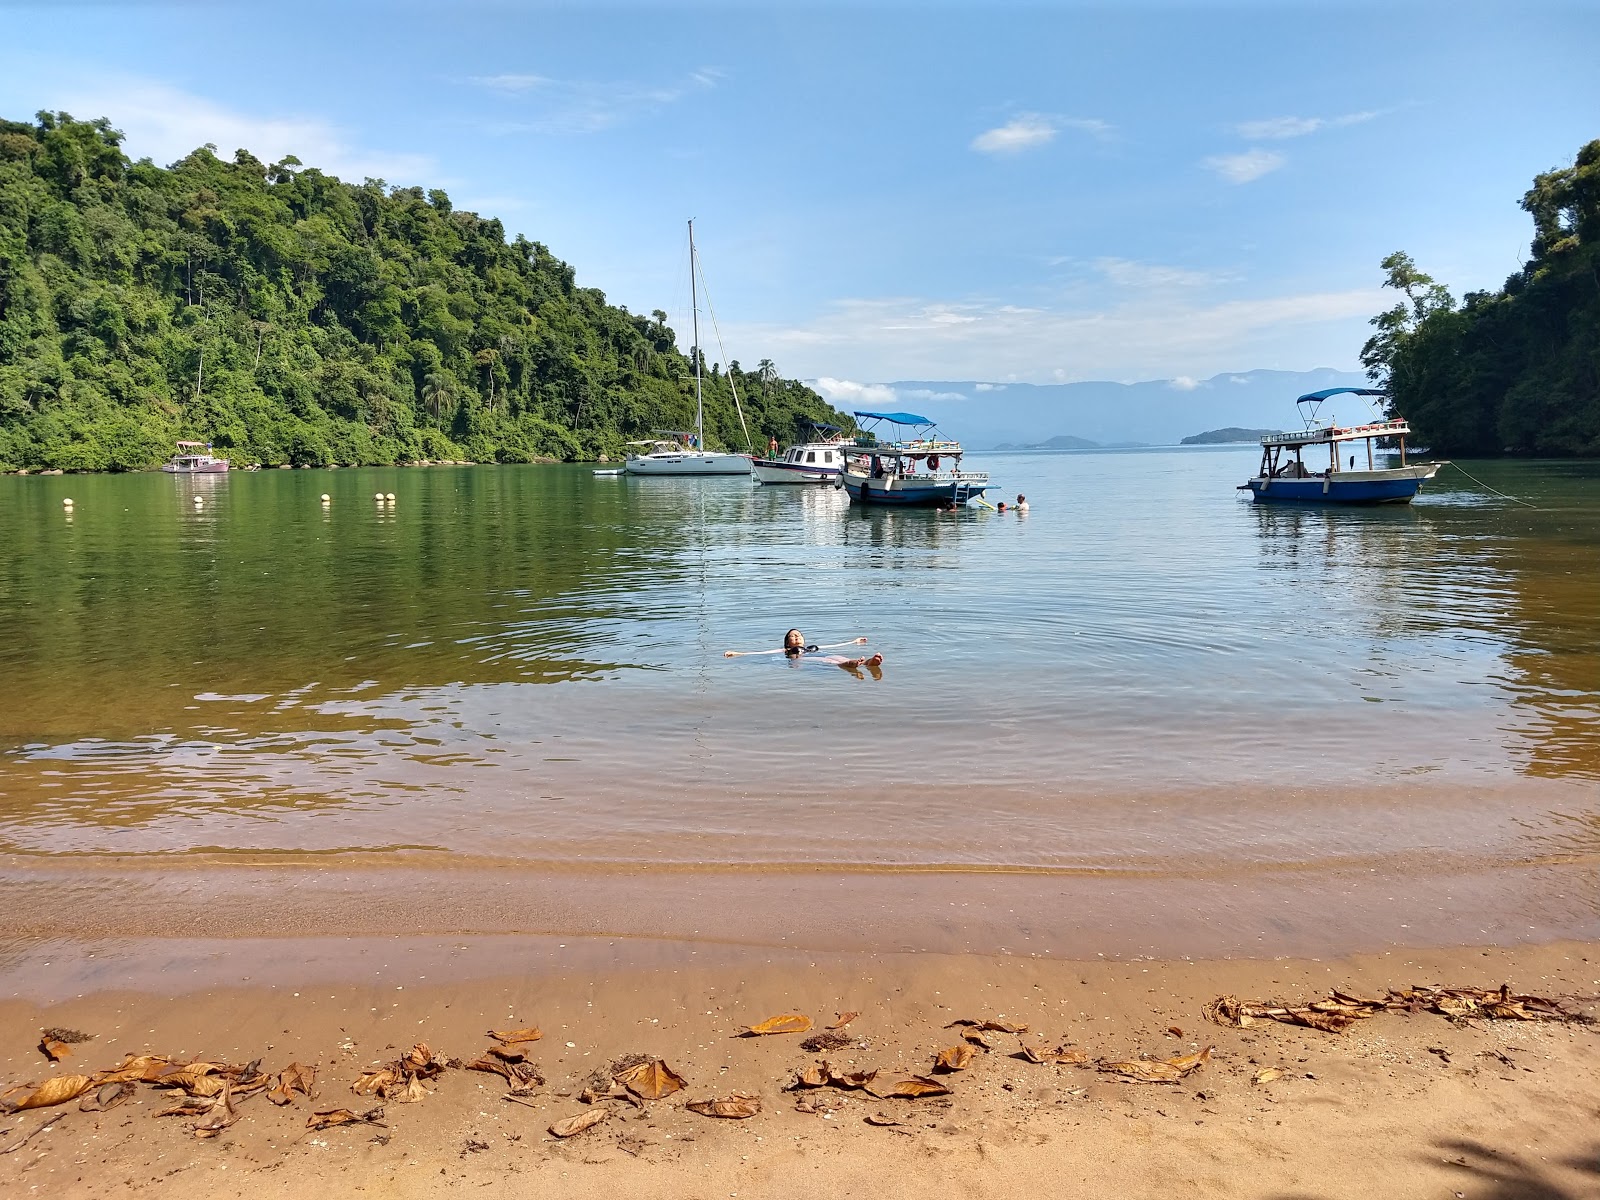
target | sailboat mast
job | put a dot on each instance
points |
(694, 307)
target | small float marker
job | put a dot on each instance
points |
(199, 501)
(327, 499)
(378, 496)
(390, 497)
(67, 503)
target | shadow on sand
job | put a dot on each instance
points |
(1483, 1173)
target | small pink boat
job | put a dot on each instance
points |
(190, 461)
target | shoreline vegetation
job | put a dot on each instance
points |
(290, 318)
(1516, 371)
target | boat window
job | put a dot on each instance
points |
(827, 456)
(811, 457)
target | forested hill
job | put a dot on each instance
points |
(287, 316)
(1512, 371)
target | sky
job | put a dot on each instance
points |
(895, 191)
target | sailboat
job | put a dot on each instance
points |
(681, 452)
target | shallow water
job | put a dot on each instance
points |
(1146, 675)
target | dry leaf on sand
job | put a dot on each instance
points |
(293, 1078)
(142, 1068)
(328, 1118)
(911, 1087)
(1159, 1070)
(1267, 1075)
(1027, 1053)
(975, 1036)
(54, 1048)
(954, 1058)
(991, 1026)
(510, 1037)
(735, 1107)
(221, 1115)
(782, 1023)
(843, 1019)
(881, 1119)
(570, 1125)
(651, 1080)
(52, 1091)
(107, 1096)
(373, 1083)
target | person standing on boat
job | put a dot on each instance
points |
(772, 447)
(796, 651)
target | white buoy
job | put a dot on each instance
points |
(327, 499)
(390, 497)
(199, 501)
(378, 496)
(67, 503)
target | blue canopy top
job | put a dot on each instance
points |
(897, 418)
(1323, 395)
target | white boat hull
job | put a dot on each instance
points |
(771, 470)
(707, 462)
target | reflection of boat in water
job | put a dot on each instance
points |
(685, 452)
(190, 461)
(923, 469)
(819, 460)
(1284, 475)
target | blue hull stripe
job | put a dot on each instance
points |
(1309, 491)
(910, 497)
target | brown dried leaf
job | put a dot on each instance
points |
(1266, 1075)
(293, 1078)
(1161, 1070)
(52, 1091)
(374, 1083)
(1187, 1063)
(143, 1068)
(511, 1037)
(107, 1096)
(911, 1087)
(843, 1019)
(991, 1026)
(851, 1080)
(814, 1076)
(975, 1036)
(651, 1080)
(570, 1125)
(221, 1115)
(783, 1023)
(1027, 1053)
(198, 1080)
(881, 1119)
(736, 1107)
(54, 1048)
(328, 1118)
(955, 1058)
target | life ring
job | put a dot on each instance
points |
(933, 462)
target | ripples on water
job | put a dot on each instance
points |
(1146, 672)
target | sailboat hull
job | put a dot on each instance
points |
(706, 463)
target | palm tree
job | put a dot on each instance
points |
(435, 391)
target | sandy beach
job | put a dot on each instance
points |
(1399, 1104)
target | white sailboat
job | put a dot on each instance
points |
(685, 453)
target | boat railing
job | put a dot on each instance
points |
(1337, 433)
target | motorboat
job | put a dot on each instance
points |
(915, 466)
(1285, 476)
(820, 460)
(194, 458)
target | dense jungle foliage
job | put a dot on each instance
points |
(1514, 371)
(289, 317)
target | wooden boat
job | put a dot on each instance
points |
(915, 468)
(190, 461)
(1285, 477)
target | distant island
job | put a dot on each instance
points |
(1066, 441)
(1227, 436)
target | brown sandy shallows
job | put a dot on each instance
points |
(1400, 1105)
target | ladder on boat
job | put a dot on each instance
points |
(961, 493)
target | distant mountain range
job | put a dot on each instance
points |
(1066, 441)
(1161, 412)
(1223, 437)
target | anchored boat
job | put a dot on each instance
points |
(1285, 476)
(189, 460)
(818, 460)
(915, 467)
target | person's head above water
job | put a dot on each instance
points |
(794, 642)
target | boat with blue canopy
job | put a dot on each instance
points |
(1285, 476)
(914, 466)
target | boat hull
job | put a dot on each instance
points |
(1397, 486)
(215, 468)
(772, 470)
(689, 463)
(910, 493)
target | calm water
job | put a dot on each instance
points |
(1145, 674)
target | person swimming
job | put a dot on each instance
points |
(796, 650)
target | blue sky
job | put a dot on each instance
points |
(901, 192)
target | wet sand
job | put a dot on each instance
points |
(1399, 1105)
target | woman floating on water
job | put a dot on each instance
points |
(796, 651)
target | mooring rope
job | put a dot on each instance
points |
(1496, 491)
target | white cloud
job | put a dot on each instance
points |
(1277, 128)
(1238, 379)
(1247, 167)
(1124, 273)
(879, 395)
(1143, 335)
(588, 106)
(165, 123)
(1028, 130)
(1184, 383)
(990, 387)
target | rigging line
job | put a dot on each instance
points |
(1496, 491)
(716, 329)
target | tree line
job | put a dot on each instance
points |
(289, 317)
(1515, 371)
